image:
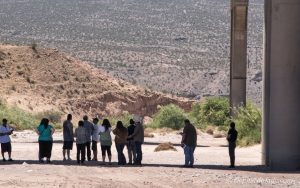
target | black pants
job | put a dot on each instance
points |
(45, 149)
(80, 152)
(121, 156)
(139, 153)
(88, 150)
(231, 147)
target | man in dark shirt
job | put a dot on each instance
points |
(189, 143)
(131, 145)
(231, 138)
(68, 135)
(89, 131)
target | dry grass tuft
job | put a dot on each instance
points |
(165, 147)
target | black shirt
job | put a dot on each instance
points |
(232, 135)
(190, 135)
(131, 130)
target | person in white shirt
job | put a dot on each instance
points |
(5, 131)
(95, 138)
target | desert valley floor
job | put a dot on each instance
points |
(160, 169)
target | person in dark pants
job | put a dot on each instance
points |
(68, 136)
(138, 138)
(231, 138)
(45, 132)
(189, 143)
(120, 141)
(5, 131)
(131, 144)
(89, 131)
(80, 134)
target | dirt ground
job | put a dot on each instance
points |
(160, 169)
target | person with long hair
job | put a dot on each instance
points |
(105, 140)
(120, 141)
(45, 132)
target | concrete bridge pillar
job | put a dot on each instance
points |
(238, 54)
(281, 96)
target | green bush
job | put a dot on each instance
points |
(124, 118)
(170, 116)
(212, 111)
(17, 117)
(248, 122)
(53, 116)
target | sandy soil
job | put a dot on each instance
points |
(160, 169)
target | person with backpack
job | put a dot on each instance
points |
(105, 140)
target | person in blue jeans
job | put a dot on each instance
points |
(120, 140)
(138, 138)
(189, 143)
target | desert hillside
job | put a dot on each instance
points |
(37, 80)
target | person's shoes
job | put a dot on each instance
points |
(231, 166)
(130, 163)
(10, 160)
(41, 161)
(64, 159)
(3, 159)
(69, 159)
(48, 161)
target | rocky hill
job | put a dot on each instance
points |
(38, 80)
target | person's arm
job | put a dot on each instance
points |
(52, 130)
(135, 132)
(183, 135)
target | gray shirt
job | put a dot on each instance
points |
(68, 132)
(89, 130)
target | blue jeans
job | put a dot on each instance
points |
(189, 155)
(121, 156)
(139, 153)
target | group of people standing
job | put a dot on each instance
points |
(89, 134)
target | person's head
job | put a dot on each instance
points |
(95, 121)
(46, 122)
(69, 117)
(120, 125)
(85, 118)
(106, 124)
(4, 121)
(131, 121)
(80, 124)
(187, 122)
(232, 125)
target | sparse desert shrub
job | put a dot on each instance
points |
(34, 47)
(125, 117)
(17, 117)
(53, 116)
(248, 122)
(170, 116)
(165, 147)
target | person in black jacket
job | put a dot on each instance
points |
(231, 138)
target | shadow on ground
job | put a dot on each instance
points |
(252, 168)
